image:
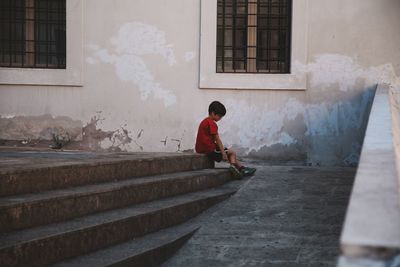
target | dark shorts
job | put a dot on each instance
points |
(216, 155)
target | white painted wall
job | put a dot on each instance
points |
(140, 70)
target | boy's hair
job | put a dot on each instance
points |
(217, 107)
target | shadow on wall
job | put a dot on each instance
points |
(330, 138)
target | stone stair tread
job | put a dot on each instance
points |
(24, 174)
(21, 165)
(90, 221)
(10, 201)
(134, 247)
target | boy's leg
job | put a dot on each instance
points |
(215, 156)
(235, 168)
(232, 158)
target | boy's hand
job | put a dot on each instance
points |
(224, 156)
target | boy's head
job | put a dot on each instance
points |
(216, 110)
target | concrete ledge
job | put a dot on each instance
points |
(358, 262)
(395, 108)
(372, 224)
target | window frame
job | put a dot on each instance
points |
(249, 23)
(30, 42)
(70, 76)
(295, 80)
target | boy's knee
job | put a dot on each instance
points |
(231, 152)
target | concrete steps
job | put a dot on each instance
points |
(55, 210)
(22, 211)
(151, 250)
(36, 176)
(52, 243)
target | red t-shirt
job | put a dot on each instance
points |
(204, 141)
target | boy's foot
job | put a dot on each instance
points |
(235, 172)
(246, 171)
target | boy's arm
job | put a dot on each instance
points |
(220, 146)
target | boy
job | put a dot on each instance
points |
(208, 141)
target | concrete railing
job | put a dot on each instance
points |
(371, 232)
(395, 107)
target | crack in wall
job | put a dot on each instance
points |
(164, 141)
(114, 140)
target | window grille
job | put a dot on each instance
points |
(33, 33)
(253, 36)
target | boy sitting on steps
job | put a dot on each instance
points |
(208, 141)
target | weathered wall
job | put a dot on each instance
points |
(140, 84)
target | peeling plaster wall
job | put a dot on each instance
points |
(140, 89)
(39, 127)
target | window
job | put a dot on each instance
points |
(33, 34)
(253, 36)
(272, 54)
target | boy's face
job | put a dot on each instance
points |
(215, 117)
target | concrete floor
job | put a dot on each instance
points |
(282, 216)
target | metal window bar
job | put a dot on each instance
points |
(252, 36)
(9, 31)
(256, 40)
(33, 33)
(274, 46)
(231, 46)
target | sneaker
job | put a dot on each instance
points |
(235, 172)
(246, 171)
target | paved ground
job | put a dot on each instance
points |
(283, 216)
